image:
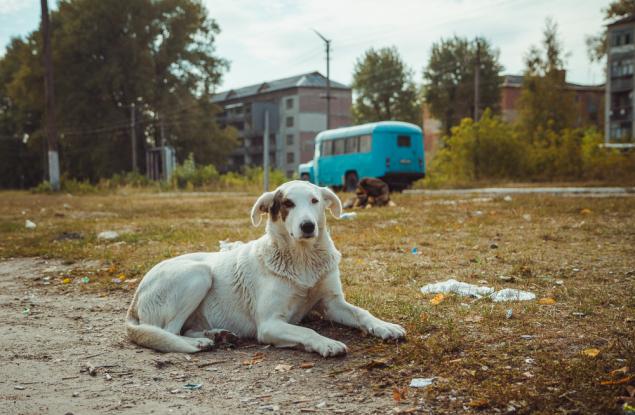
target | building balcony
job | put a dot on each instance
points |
(621, 84)
(621, 113)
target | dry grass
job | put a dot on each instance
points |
(584, 260)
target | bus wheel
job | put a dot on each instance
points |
(350, 181)
(304, 177)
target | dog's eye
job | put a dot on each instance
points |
(288, 204)
(314, 201)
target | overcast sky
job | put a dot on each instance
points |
(267, 40)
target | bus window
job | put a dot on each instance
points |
(339, 146)
(365, 144)
(403, 140)
(352, 145)
(327, 148)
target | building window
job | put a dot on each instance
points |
(627, 38)
(289, 139)
(289, 103)
(289, 121)
(290, 158)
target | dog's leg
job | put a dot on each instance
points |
(282, 334)
(218, 336)
(337, 309)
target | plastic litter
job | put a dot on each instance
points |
(421, 382)
(85, 280)
(29, 225)
(193, 386)
(415, 251)
(507, 198)
(26, 311)
(348, 215)
(108, 235)
(510, 294)
(509, 313)
(457, 287)
(228, 246)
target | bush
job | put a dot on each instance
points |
(187, 175)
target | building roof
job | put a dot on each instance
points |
(516, 81)
(627, 19)
(306, 80)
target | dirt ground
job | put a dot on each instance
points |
(63, 348)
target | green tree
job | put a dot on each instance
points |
(384, 88)
(449, 79)
(597, 44)
(545, 104)
(109, 54)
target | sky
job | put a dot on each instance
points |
(272, 39)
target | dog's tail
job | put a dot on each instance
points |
(154, 337)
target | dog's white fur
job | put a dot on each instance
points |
(260, 289)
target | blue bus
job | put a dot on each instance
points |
(388, 150)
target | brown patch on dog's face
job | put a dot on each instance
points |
(280, 207)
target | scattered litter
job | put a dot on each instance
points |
(529, 361)
(507, 198)
(477, 213)
(116, 281)
(399, 394)
(19, 387)
(586, 211)
(307, 365)
(414, 251)
(272, 408)
(578, 314)
(421, 382)
(283, 368)
(454, 286)
(527, 217)
(509, 294)
(26, 311)
(559, 282)
(228, 246)
(90, 369)
(526, 337)
(75, 394)
(66, 280)
(547, 301)
(507, 278)
(107, 376)
(67, 206)
(437, 299)
(321, 404)
(348, 215)
(85, 280)
(108, 235)
(192, 386)
(29, 225)
(509, 313)
(591, 352)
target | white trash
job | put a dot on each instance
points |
(29, 225)
(108, 235)
(348, 215)
(507, 198)
(454, 286)
(228, 246)
(510, 294)
(421, 382)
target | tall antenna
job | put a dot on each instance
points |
(328, 78)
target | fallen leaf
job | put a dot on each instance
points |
(375, 363)
(121, 277)
(399, 394)
(283, 368)
(478, 403)
(255, 359)
(620, 371)
(307, 365)
(546, 301)
(66, 281)
(591, 352)
(437, 299)
(622, 381)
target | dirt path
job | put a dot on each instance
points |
(44, 351)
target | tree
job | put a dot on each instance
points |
(449, 79)
(617, 9)
(545, 104)
(108, 55)
(384, 88)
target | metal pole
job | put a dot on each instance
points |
(51, 129)
(265, 151)
(477, 81)
(133, 133)
(328, 79)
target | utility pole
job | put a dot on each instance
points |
(328, 79)
(51, 130)
(133, 133)
(265, 152)
(477, 81)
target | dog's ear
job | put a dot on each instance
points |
(333, 203)
(261, 206)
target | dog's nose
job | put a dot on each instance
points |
(307, 227)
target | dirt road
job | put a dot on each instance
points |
(48, 338)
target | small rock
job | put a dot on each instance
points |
(19, 387)
(527, 217)
(321, 405)
(507, 198)
(75, 394)
(107, 376)
(29, 225)
(559, 282)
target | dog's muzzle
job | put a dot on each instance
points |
(308, 229)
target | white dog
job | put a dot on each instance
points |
(260, 289)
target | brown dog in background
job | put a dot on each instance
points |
(370, 192)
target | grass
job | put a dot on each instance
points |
(578, 251)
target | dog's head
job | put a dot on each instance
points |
(297, 207)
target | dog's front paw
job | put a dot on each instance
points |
(327, 347)
(387, 331)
